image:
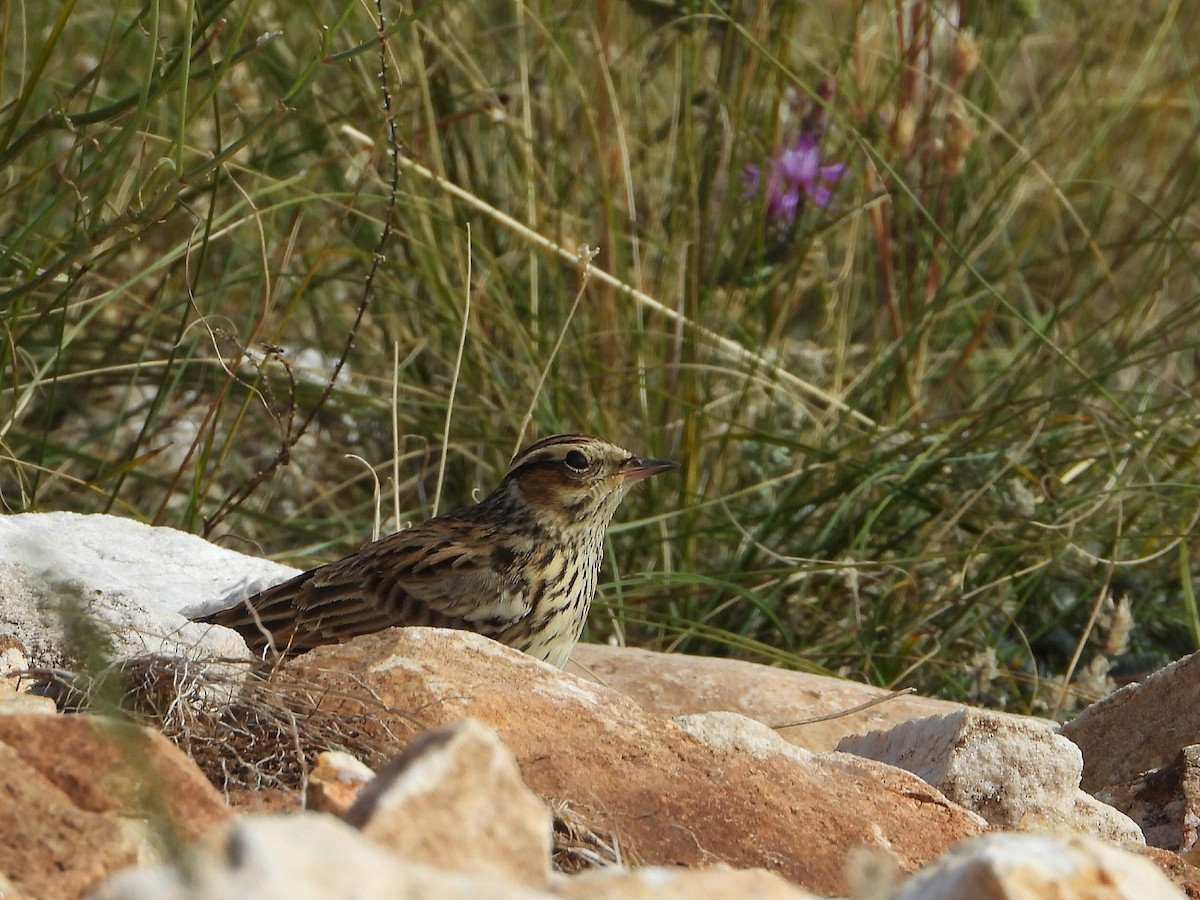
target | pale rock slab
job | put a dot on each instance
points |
(1011, 866)
(14, 702)
(301, 856)
(454, 799)
(659, 882)
(676, 684)
(63, 571)
(21, 703)
(732, 733)
(1140, 728)
(334, 782)
(1015, 773)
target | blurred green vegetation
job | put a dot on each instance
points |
(941, 431)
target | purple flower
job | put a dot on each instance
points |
(795, 169)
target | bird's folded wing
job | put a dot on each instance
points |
(425, 575)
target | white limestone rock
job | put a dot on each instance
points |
(66, 578)
(301, 856)
(1015, 773)
(1008, 865)
(458, 787)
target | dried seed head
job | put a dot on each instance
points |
(965, 58)
(960, 134)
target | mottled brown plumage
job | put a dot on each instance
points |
(520, 566)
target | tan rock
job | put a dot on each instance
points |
(14, 657)
(21, 703)
(675, 684)
(335, 781)
(657, 882)
(117, 768)
(454, 799)
(1139, 728)
(1184, 873)
(301, 856)
(668, 797)
(735, 734)
(79, 799)
(14, 686)
(1089, 815)
(1007, 866)
(1165, 802)
(1015, 773)
(51, 847)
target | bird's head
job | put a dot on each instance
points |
(576, 481)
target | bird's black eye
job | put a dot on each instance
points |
(576, 460)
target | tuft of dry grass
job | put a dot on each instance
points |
(256, 736)
(578, 846)
(246, 729)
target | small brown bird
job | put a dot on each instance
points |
(520, 566)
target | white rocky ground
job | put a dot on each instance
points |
(139, 582)
(665, 780)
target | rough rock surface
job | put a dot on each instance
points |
(302, 856)
(1139, 728)
(454, 788)
(1165, 802)
(1009, 866)
(79, 799)
(334, 782)
(15, 687)
(59, 569)
(657, 883)
(1015, 773)
(669, 797)
(675, 684)
(1183, 870)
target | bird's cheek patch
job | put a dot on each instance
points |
(541, 487)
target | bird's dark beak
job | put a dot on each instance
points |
(636, 469)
